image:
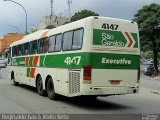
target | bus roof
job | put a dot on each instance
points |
(67, 27)
(81, 23)
(34, 36)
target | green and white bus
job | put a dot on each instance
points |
(94, 56)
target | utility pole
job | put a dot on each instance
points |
(52, 9)
(69, 2)
(22, 8)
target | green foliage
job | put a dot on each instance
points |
(83, 14)
(50, 27)
(33, 30)
(149, 54)
(148, 19)
(66, 22)
(27, 33)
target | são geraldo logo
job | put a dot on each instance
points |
(109, 40)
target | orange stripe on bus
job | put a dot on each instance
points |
(44, 34)
(27, 61)
(32, 72)
(35, 60)
(130, 39)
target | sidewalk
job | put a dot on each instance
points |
(157, 78)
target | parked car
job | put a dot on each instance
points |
(149, 71)
(3, 63)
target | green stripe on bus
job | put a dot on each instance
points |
(135, 37)
(31, 61)
(79, 60)
(41, 61)
(28, 72)
(65, 60)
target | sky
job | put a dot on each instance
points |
(13, 19)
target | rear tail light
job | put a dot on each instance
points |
(87, 74)
(138, 76)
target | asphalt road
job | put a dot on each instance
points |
(24, 99)
(149, 82)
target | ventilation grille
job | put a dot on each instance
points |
(74, 82)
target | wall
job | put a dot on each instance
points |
(6, 40)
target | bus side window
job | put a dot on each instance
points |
(23, 51)
(26, 48)
(16, 50)
(40, 46)
(77, 39)
(58, 42)
(13, 51)
(19, 50)
(67, 40)
(9, 55)
(33, 47)
(51, 44)
(45, 45)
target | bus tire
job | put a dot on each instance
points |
(50, 89)
(14, 82)
(39, 85)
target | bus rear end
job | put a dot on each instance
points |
(112, 65)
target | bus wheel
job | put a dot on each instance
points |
(50, 90)
(14, 82)
(39, 85)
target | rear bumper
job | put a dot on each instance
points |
(101, 91)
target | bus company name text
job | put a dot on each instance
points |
(109, 40)
(122, 61)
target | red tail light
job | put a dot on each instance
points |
(138, 76)
(87, 74)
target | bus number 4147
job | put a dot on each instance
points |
(73, 60)
(110, 26)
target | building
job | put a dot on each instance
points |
(51, 20)
(6, 40)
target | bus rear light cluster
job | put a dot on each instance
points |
(87, 74)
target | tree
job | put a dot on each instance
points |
(148, 19)
(50, 27)
(33, 30)
(83, 14)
